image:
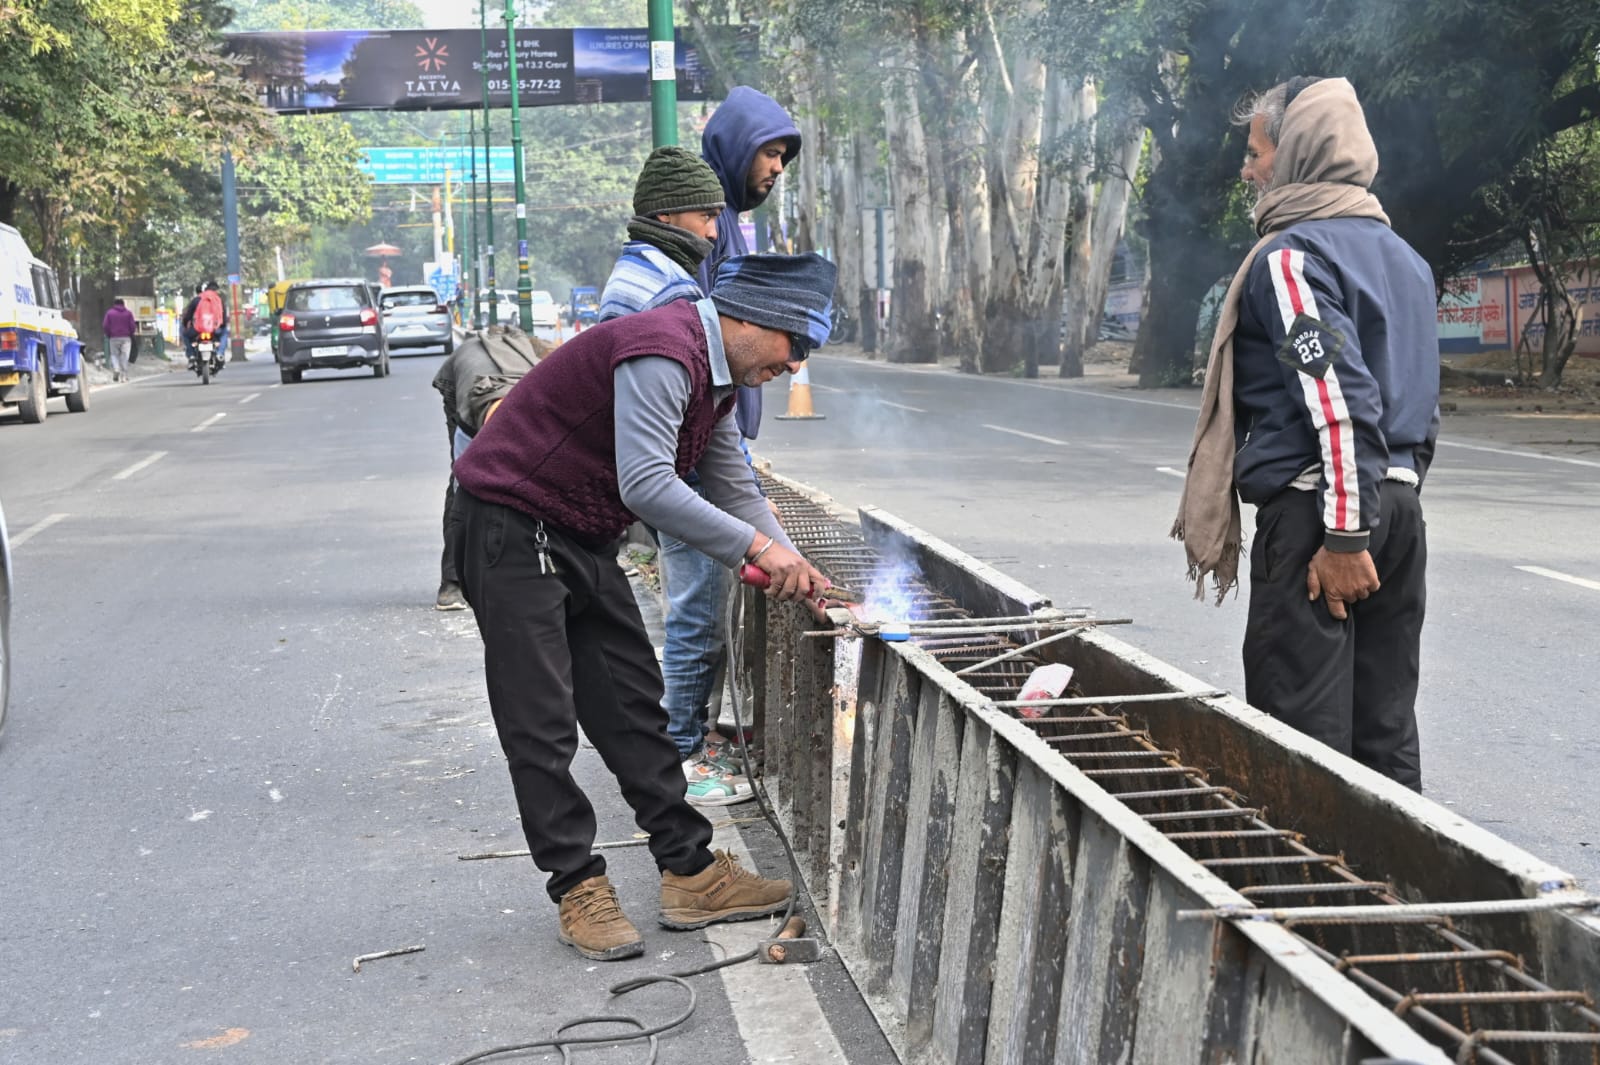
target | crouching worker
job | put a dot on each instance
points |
(597, 435)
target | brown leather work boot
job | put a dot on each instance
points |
(722, 891)
(593, 922)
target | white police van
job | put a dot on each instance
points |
(40, 355)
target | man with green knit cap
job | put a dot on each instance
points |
(675, 206)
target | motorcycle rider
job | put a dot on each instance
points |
(186, 323)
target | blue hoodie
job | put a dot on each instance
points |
(745, 121)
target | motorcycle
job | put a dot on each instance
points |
(207, 355)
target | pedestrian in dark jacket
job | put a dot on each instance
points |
(1321, 407)
(748, 141)
(119, 327)
(473, 381)
(595, 437)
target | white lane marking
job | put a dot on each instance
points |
(148, 460)
(278, 385)
(1521, 454)
(1029, 436)
(1557, 575)
(779, 1017)
(1074, 389)
(213, 420)
(247, 399)
(35, 529)
(901, 406)
(824, 388)
(1172, 472)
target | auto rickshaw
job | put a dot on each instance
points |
(275, 297)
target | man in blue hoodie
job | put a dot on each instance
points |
(747, 142)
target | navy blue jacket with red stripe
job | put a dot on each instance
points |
(1336, 370)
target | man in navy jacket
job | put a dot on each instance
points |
(1336, 413)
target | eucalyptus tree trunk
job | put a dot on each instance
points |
(1022, 323)
(1080, 236)
(808, 194)
(1090, 278)
(961, 182)
(912, 333)
(844, 218)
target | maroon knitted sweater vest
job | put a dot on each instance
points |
(550, 449)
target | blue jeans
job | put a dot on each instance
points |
(697, 597)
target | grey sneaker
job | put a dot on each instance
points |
(450, 597)
(713, 784)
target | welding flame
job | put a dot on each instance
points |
(892, 594)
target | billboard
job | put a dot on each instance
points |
(298, 72)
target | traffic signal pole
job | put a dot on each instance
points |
(524, 281)
(470, 303)
(230, 236)
(663, 76)
(488, 167)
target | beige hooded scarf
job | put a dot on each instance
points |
(1324, 164)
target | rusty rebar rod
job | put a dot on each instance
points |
(1094, 700)
(1481, 908)
(1339, 888)
(1426, 957)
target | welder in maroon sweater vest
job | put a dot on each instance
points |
(598, 435)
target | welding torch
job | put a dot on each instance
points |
(756, 577)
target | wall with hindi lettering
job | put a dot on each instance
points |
(1495, 310)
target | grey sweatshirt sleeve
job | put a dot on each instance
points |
(727, 480)
(652, 397)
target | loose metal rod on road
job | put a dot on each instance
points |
(524, 282)
(488, 167)
(663, 75)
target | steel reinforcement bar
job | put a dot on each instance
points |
(1007, 890)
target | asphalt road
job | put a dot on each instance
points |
(1072, 490)
(243, 749)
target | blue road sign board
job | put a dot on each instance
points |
(444, 281)
(426, 166)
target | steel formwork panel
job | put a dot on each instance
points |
(996, 903)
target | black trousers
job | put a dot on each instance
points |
(1351, 684)
(559, 649)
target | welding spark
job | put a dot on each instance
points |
(892, 595)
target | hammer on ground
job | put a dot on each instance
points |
(790, 945)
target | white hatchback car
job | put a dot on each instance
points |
(546, 315)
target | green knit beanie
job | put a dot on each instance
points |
(675, 179)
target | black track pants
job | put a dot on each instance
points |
(1351, 684)
(565, 648)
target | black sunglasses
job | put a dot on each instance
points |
(799, 348)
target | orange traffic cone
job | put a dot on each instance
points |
(800, 398)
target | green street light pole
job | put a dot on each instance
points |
(663, 76)
(524, 281)
(488, 166)
(471, 272)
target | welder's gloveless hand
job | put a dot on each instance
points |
(1340, 577)
(792, 576)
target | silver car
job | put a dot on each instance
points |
(415, 317)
